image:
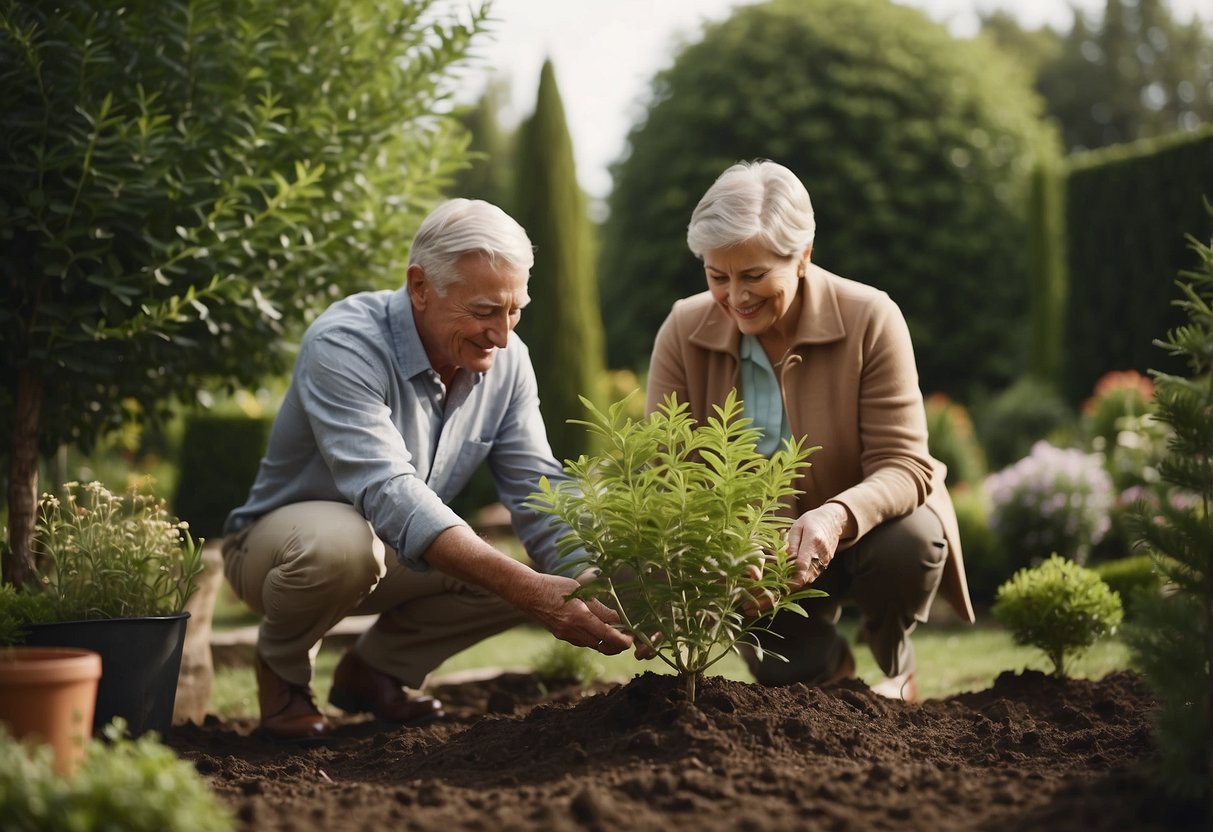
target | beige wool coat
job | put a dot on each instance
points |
(850, 385)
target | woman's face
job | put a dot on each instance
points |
(756, 287)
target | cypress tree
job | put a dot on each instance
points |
(563, 324)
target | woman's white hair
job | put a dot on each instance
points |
(759, 200)
(465, 226)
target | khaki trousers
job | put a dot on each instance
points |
(306, 566)
(892, 575)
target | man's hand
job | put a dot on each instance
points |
(585, 624)
(458, 552)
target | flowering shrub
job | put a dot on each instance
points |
(1053, 500)
(1118, 395)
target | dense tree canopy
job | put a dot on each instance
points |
(183, 182)
(1133, 72)
(915, 147)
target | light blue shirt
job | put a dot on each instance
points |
(761, 399)
(366, 422)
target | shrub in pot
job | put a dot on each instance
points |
(113, 575)
(681, 525)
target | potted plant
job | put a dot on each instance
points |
(682, 525)
(48, 695)
(113, 576)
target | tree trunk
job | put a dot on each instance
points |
(18, 562)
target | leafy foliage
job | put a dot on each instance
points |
(563, 324)
(953, 441)
(1173, 642)
(19, 607)
(915, 147)
(1018, 417)
(681, 522)
(183, 182)
(1135, 73)
(1060, 607)
(134, 785)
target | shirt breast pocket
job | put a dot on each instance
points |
(471, 453)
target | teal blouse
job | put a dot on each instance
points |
(761, 400)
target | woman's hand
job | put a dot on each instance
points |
(813, 540)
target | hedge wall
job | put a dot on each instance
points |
(218, 462)
(1129, 210)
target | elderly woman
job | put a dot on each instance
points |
(816, 355)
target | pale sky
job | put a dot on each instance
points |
(605, 52)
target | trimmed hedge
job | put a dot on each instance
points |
(218, 462)
(1129, 211)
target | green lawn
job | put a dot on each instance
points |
(951, 659)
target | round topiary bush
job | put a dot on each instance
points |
(1060, 607)
(916, 148)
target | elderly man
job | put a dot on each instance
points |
(396, 399)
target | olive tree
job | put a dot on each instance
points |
(183, 182)
(916, 147)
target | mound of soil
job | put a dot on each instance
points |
(1031, 753)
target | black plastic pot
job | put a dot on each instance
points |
(140, 662)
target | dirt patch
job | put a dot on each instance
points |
(1031, 753)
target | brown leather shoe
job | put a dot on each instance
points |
(288, 711)
(360, 688)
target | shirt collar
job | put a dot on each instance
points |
(406, 341)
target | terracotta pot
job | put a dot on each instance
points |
(48, 694)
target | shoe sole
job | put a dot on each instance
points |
(353, 704)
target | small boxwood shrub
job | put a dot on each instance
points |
(1060, 607)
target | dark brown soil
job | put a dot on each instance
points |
(1032, 753)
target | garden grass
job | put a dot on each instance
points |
(952, 659)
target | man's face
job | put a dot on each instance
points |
(467, 326)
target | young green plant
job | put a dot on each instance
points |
(1060, 607)
(681, 526)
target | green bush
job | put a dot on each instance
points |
(1132, 578)
(953, 442)
(917, 148)
(218, 462)
(1060, 607)
(564, 662)
(1009, 424)
(1171, 639)
(129, 785)
(19, 607)
(986, 566)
